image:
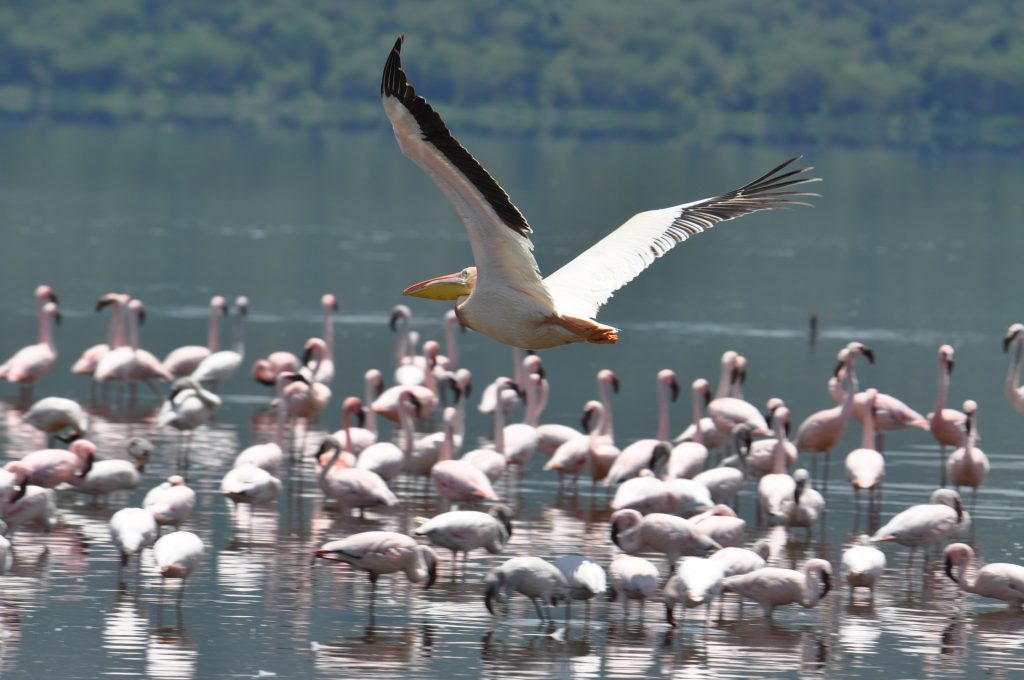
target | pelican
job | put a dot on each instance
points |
(503, 295)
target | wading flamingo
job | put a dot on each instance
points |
(184, 360)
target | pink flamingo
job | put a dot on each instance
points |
(449, 361)
(710, 435)
(324, 372)
(184, 360)
(129, 363)
(890, 412)
(996, 580)
(1014, 391)
(773, 587)
(697, 582)
(494, 460)
(554, 435)
(728, 412)
(385, 458)
(171, 503)
(534, 577)
(948, 426)
(865, 467)
(132, 530)
(50, 467)
(383, 552)
(386, 405)
(822, 430)
(691, 457)
(722, 524)
(350, 487)
(806, 505)
(573, 456)
(222, 366)
(468, 530)
(968, 465)
(518, 440)
(304, 398)
(31, 362)
(926, 524)
(116, 336)
(726, 481)
(774, 488)
(659, 532)
(355, 439)
(458, 480)
(177, 555)
(646, 453)
(265, 371)
(634, 578)
(269, 455)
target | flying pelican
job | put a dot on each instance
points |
(503, 295)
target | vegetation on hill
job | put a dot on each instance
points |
(913, 73)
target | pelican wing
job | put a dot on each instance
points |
(498, 232)
(587, 282)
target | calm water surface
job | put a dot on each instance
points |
(903, 252)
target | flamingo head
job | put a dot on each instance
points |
(607, 376)
(503, 514)
(219, 303)
(314, 347)
(242, 303)
(52, 311)
(590, 411)
(667, 378)
(1012, 333)
(45, 294)
(946, 357)
(447, 287)
(400, 315)
(328, 301)
(701, 390)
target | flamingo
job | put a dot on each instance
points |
(248, 483)
(171, 503)
(659, 532)
(647, 453)
(221, 366)
(1014, 391)
(270, 455)
(117, 474)
(350, 487)
(821, 431)
(355, 439)
(31, 504)
(265, 371)
(710, 434)
(31, 362)
(383, 552)
(189, 406)
(927, 524)
(575, 455)
(132, 530)
(90, 358)
(518, 441)
(52, 467)
(307, 398)
(533, 577)
(689, 458)
(865, 467)
(467, 530)
(384, 458)
(508, 441)
(742, 560)
(968, 465)
(58, 417)
(728, 412)
(645, 494)
(947, 425)
(324, 371)
(721, 523)
(736, 385)
(634, 578)
(697, 581)
(774, 488)
(184, 360)
(996, 580)
(890, 413)
(806, 505)
(458, 480)
(726, 481)
(773, 587)
(863, 565)
(585, 577)
(506, 298)
(386, 404)
(130, 362)
(410, 369)
(177, 555)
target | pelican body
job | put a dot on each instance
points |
(503, 296)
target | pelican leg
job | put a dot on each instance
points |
(589, 331)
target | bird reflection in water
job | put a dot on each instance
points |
(125, 635)
(171, 654)
(380, 651)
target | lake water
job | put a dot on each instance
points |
(902, 251)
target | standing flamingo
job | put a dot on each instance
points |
(968, 465)
(130, 363)
(533, 577)
(634, 578)
(864, 565)
(58, 417)
(383, 552)
(645, 453)
(458, 480)
(324, 371)
(927, 524)
(697, 581)
(31, 362)
(467, 530)
(184, 360)
(806, 505)
(221, 366)
(996, 580)
(132, 530)
(659, 532)
(177, 555)
(116, 335)
(821, 431)
(350, 487)
(52, 467)
(865, 467)
(775, 488)
(171, 503)
(1014, 391)
(689, 458)
(947, 425)
(773, 587)
(385, 458)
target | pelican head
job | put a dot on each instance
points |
(448, 287)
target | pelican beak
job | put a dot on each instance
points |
(448, 287)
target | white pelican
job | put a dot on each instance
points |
(503, 296)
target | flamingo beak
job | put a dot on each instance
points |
(447, 287)
(669, 615)
(361, 417)
(827, 582)
(615, 534)
(615, 384)
(1008, 339)
(949, 570)
(431, 573)
(869, 353)
(489, 596)
(675, 390)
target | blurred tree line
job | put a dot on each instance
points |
(913, 73)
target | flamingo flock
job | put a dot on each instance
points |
(674, 505)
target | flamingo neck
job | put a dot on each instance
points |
(405, 420)
(239, 336)
(853, 376)
(46, 331)
(499, 427)
(1013, 377)
(867, 440)
(346, 425)
(329, 330)
(596, 430)
(212, 339)
(943, 391)
(810, 587)
(724, 383)
(517, 369)
(606, 418)
(779, 452)
(847, 402)
(133, 330)
(663, 413)
(698, 413)
(401, 342)
(282, 415)
(371, 415)
(537, 401)
(115, 328)
(322, 474)
(448, 445)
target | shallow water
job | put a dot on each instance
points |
(903, 252)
